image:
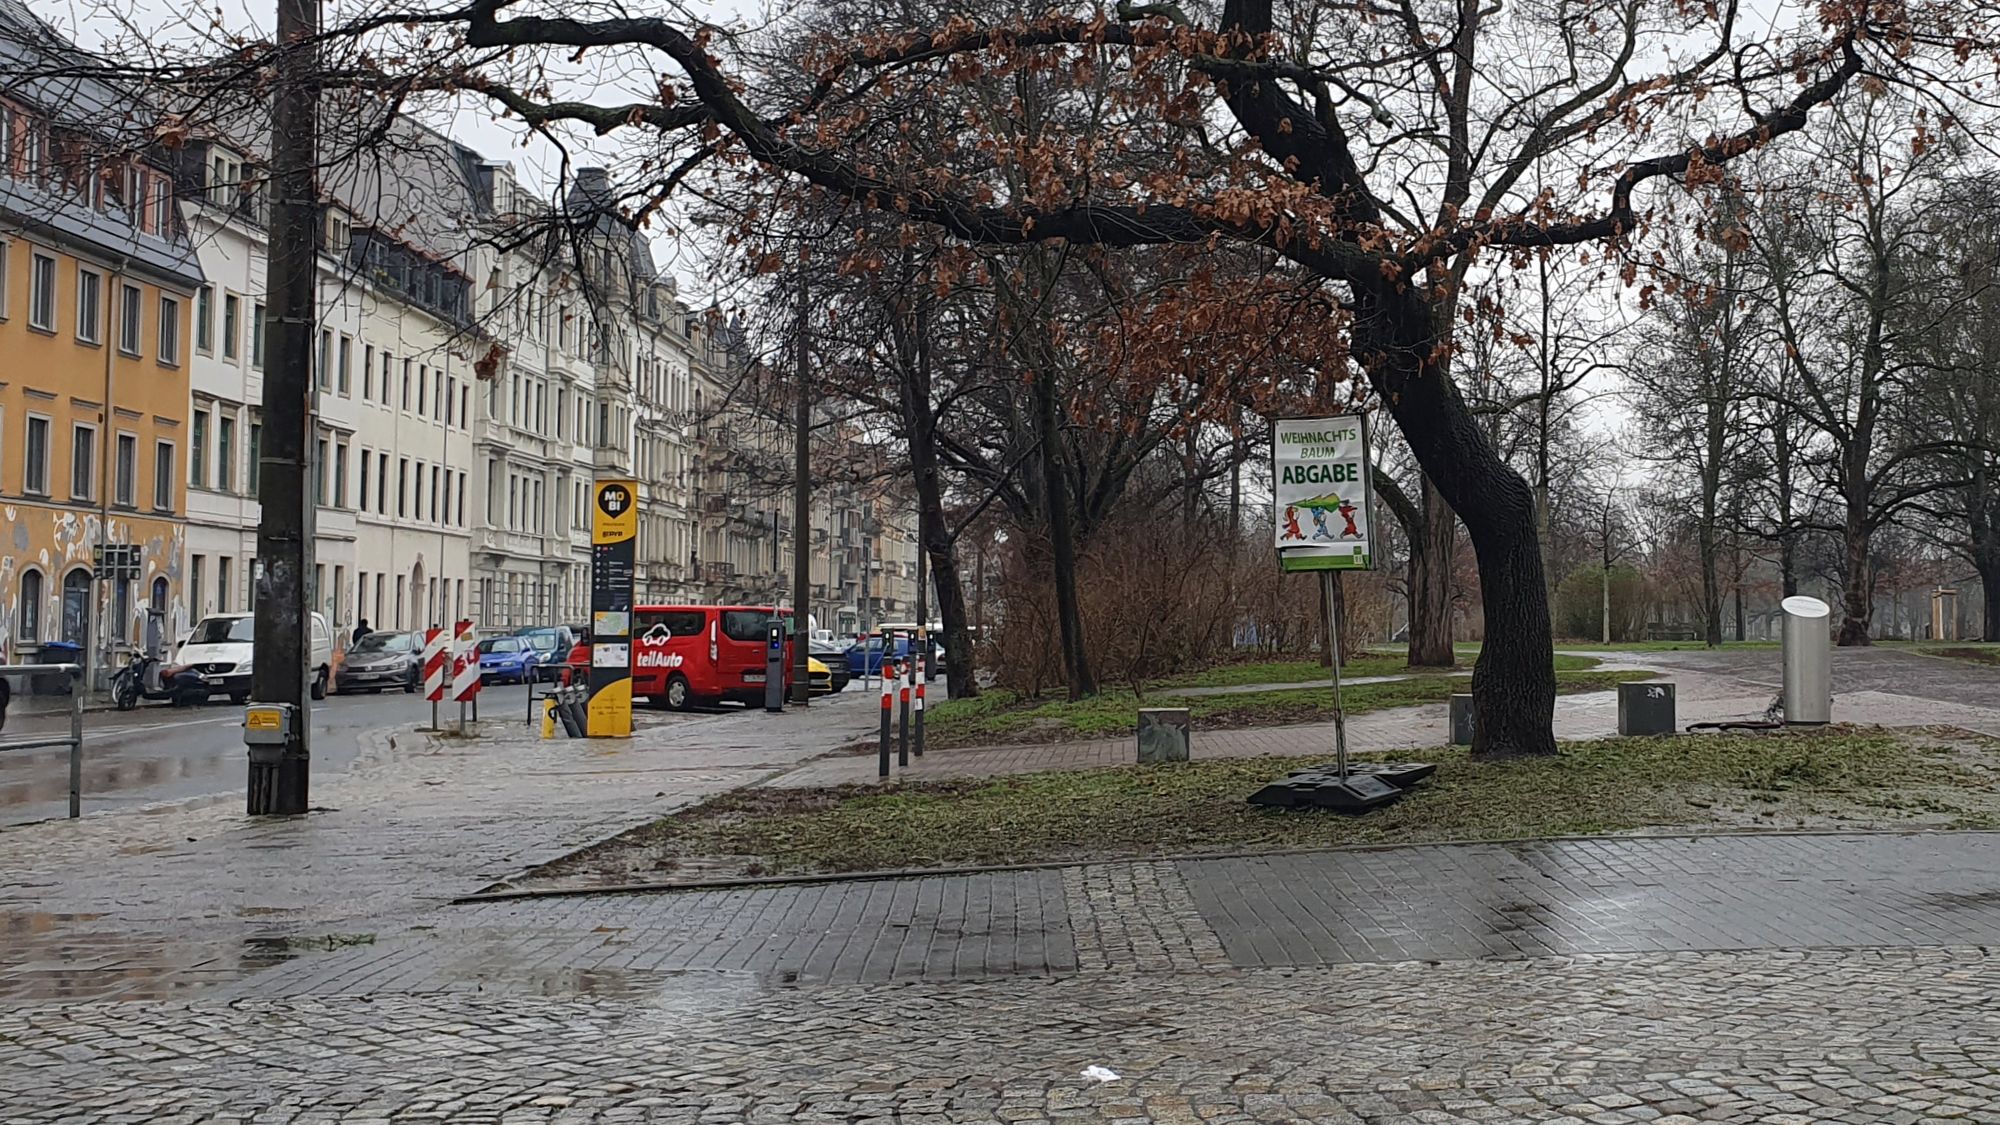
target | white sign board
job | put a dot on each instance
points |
(1322, 493)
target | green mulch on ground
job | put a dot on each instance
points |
(1974, 654)
(999, 717)
(1829, 778)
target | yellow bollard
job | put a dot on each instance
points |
(548, 716)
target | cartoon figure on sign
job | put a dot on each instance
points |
(1292, 523)
(1347, 511)
(1319, 524)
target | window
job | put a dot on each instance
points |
(434, 494)
(322, 368)
(82, 462)
(89, 306)
(42, 293)
(368, 376)
(126, 487)
(744, 624)
(381, 494)
(406, 385)
(345, 384)
(129, 313)
(231, 313)
(225, 452)
(319, 473)
(163, 476)
(464, 406)
(257, 335)
(224, 586)
(402, 486)
(417, 501)
(204, 320)
(225, 180)
(387, 361)
(437, 394)
(197, 565)
(461, 498)
(28, 617)
(256, 473)
(450, 393)
(198, 451)
(339, 233)
(170, 331)
(76, 608)
(364, 480)
(423, 381)
(340, 475)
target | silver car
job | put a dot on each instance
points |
(383, 660)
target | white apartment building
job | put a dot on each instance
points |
(470, 383)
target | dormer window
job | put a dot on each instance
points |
(225, 178)
(339, 232)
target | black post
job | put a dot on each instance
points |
(802, 520)
(283, 630)
(882, 763)
(922, 647)
(903, 723)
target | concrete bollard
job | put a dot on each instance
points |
(1166, 734)
(1462, 720)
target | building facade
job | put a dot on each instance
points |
(97, 280)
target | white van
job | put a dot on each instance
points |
(221, 648)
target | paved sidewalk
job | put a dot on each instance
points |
(1780, 980)
(1699, 698)
(127, 905)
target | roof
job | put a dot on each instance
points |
(44, 71)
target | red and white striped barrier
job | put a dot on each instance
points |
(922, 675)
(465, 664)
(436, 641)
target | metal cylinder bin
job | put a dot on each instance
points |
(1808, 661)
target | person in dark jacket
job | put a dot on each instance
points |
(360, 630)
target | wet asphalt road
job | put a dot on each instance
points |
(158, 753)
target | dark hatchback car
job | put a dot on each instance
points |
(383, 660)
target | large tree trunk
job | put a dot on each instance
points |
(1430, 582)
(1857, 593)
(920, 424)
(1984, 508)
(1062, 540)
(1397, 340)
(1711, 579)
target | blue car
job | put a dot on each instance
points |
(507, 660)
(864, 658)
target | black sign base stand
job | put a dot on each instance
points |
(1366, 787)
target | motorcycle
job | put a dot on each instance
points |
(145, 677)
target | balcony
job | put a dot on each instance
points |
(718, 573)
(500, 541)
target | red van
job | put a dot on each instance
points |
(685, 656)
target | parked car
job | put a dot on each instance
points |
(833, 654)
(820, 677)
(864, 657)
(552, 644)
(383, 660)
(507, 660)
(695, 655)
(221, 647)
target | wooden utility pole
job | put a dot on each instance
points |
(802, 515)
(283, 637)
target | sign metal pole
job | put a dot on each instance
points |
(1328, 580)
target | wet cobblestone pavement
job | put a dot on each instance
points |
(1774, 1037)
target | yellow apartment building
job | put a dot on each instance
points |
(97, 285)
